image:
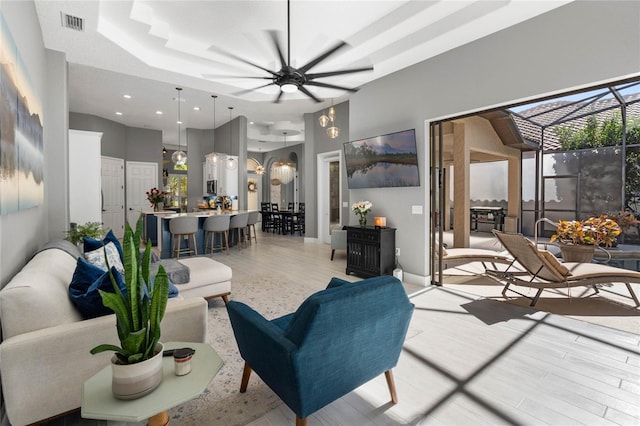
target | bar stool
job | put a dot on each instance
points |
(251, 223)
(217, 224)
(180, 227)
(239, 224)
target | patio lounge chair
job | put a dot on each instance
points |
(543, 270)
(452, 257)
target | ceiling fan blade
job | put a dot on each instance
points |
(332, 73)
(309, 94)
(246, 61)
(276, 43)
(234, 77)
(242, 92)
(330, 86)
(322, 57)
(277, 99)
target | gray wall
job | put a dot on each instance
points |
(576, 45)
(22, 232)
(317, 141)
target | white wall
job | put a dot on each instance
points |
(574, 46)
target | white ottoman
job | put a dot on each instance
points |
(207, 278)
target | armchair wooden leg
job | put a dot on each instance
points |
(392, 387)
(333, 251)
(301, 422)
(245, 378)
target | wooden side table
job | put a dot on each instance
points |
(99, 403)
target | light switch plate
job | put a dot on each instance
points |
(416, 209)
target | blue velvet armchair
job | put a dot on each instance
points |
(338, 339)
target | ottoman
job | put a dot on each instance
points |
(207, 278)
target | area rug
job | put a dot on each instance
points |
(222, 403)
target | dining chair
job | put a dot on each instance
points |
(276, 218)
(216, 225)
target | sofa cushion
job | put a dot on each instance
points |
(83, 289)
(91, 244)
(38, 296)
(88, 279)
(97, 257)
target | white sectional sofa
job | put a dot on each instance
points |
(44, 354)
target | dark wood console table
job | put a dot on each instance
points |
(486, 214)
(371, 251)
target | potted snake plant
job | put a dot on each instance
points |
(139, 310)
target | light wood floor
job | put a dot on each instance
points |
(468, 360)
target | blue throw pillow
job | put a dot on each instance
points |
(86, 281)
(91, 244)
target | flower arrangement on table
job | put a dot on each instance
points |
(155, 196)
(596, 231)
(361, 208)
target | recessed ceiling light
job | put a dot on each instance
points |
(118, 113)
(126, 96)
(251, 122)
(196, 108)
(159, 112)
(178, 122)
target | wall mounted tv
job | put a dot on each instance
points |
(383, 161)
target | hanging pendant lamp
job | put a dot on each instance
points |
(179, 157)
(231, 162)
(212, 158)
(333, 131)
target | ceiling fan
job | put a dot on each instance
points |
(291, 79)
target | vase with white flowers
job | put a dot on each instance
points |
(361, 208)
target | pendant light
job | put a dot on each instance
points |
(212, 158)
(259, 168)
(283, 170)
(231, 162)
(334, 130)
(179, 157)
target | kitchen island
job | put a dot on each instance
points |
(157, 228)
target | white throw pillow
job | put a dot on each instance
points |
(96, 257)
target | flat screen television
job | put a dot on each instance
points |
(383, 161)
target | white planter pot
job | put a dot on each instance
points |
(133, 381)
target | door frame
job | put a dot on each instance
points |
(322, 179)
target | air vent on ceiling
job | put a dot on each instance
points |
(72, 22)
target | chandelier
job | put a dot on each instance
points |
(283, 170)
(212, 158)
(179, 157)
(326, 119)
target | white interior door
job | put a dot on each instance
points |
(113, 195)
(84, 177)
(141, 177)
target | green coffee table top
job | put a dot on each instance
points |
(99, 403)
